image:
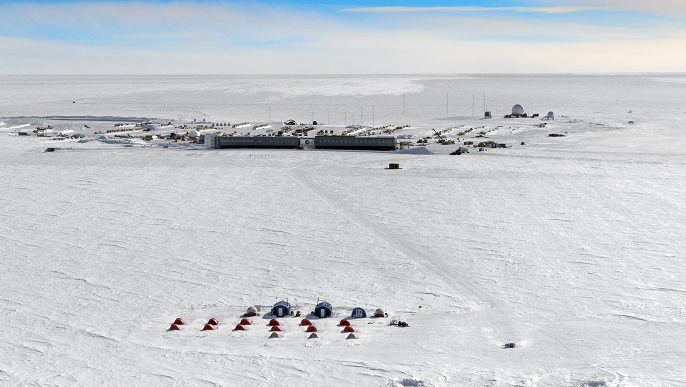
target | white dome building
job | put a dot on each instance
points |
(517, 110)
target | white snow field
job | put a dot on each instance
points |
(570, 247)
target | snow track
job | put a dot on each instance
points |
(472, 296)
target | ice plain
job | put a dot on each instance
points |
(570, 247)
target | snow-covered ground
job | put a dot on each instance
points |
(570, 247)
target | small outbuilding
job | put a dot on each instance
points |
(281, 309)
(359, 313)
(323, 310)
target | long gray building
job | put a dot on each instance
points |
(355, 143)
(386, 143)
(253, 142)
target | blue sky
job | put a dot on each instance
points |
(353, 36)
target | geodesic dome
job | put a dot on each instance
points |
(517, 110)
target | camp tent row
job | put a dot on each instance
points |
(322, 310)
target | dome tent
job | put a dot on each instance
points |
(252, 311)
(281, 309)
(323, 310)
(379, 313)
(359, 313)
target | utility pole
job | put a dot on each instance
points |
(473, 101)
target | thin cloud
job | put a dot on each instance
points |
(672, 8)
(550, 10)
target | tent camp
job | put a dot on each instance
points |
(323, 309)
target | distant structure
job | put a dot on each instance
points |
(215, 141)
(383, 143)
(372, 143)
(517, 111)
(550, 116)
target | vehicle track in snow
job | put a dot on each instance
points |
(472, 296)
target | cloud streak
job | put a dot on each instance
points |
(546, 10)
